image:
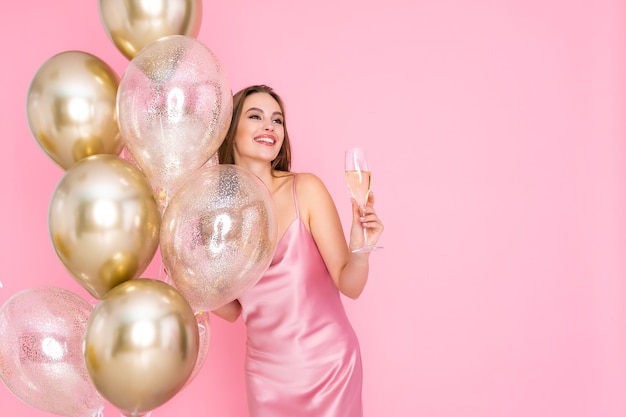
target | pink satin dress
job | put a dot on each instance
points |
(303, 357)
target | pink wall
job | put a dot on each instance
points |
(496, 132)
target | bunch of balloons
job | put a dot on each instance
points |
(140, 172)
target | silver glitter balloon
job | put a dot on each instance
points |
(41, 359)
(174, 108)
(218, 235)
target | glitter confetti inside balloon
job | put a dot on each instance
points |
(41, 355)
(174, 108)
(218, 235)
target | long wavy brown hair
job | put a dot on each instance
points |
(225, 152)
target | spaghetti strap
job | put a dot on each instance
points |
(295, 200)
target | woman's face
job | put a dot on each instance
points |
(260, 129)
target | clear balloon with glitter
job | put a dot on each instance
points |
(174, 106)
(41, 355)
(204, 332)
(218, 235)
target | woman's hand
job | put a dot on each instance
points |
(367, 220)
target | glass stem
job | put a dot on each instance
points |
(364, 229)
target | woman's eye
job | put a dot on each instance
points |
(278, 121)
(255, 116)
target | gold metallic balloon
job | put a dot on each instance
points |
(71, 108)
(104, 222)
(218, 235)
(141, 345)
(133, 24)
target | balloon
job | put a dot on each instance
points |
(218, 235)
(71, 108)
(214, 160)
(141, 345)
(41, 359)
(204, 334)
(126, 155)
(174, 109)
(103, 222)
(133, 24)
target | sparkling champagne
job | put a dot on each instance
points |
(359, 177)
(359, 184)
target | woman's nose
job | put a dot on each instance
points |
(269, 126)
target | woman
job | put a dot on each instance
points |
(302, 356)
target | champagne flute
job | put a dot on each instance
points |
(359, 177)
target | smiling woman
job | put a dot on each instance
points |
(303, 357)
(253, 120)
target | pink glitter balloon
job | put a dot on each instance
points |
(41, 355)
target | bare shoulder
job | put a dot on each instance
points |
(313, 197)
(309, 185)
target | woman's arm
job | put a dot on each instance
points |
(348, 270)
(229, 312)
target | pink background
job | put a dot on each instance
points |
(497, 136)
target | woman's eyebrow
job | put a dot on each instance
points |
(260, 110)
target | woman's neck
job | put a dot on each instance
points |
(263, 170)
